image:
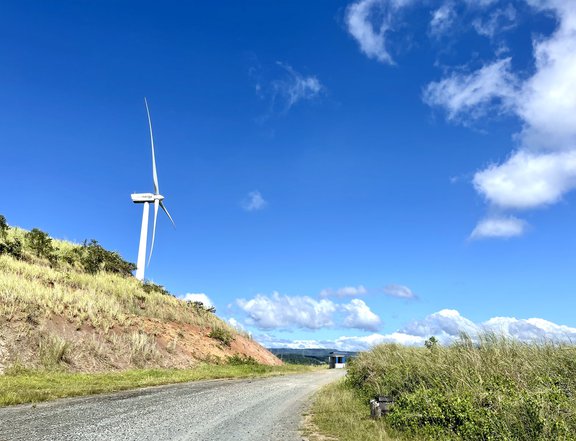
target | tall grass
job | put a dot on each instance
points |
(102, 300)
(492, 389)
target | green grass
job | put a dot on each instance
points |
(27, 386)
(493, 389)
(339, 412)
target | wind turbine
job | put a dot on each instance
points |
(147, 198)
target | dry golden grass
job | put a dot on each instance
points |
(102, 300)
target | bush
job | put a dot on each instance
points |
(241, 360)
(95, 258)
(222, 334)
(200, 306)
(12, 248)
(150, 287)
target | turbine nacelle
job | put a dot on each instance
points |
(139, 198)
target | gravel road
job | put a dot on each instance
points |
(265, 409)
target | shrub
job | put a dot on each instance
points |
(200, 306)
(95, 258)
(241, 360)
(150, 287)
(221, 334)
(12, 248)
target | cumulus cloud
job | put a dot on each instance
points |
(399, 291)
(446, 325)
(236, 324)
(254, 201)
(280, 311)
(528, 179)
(346, 291)
(359, 316)
(199, 297)
(286, 312)
(542, 169)
(498, 227)
(370, 22)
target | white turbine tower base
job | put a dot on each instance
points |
(146, 199)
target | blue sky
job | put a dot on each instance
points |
(340, 172)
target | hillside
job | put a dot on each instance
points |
(78, 308)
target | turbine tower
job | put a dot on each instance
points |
(147, 198)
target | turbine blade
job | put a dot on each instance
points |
(154, 175)
(156, 203)
(168, 214)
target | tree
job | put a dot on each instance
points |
(3, 227)
(41, 244)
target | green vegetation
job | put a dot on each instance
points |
(222, 334)
(492, 389)
(340, 411)
(29, 386)
(86, 284)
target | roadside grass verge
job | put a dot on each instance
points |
(487, 388)
(20, 386)
(339, 413)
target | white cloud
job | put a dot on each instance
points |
(280, 311)
(199, 297)
(533, 329)
(346, 291)
(359, 316)
(501, 20)
(528, 179)
(443, 19)
(254, 201)
(236, 324)
(285, 312)
(399, 291)
(369, 22)
(542, 169)
(498, 227)
(294, 87)
(447, 325)
(473, 95)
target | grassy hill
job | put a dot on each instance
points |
(76, 307)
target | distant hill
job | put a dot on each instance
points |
(316, 356)
(77, 307)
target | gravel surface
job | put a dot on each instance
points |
(265, 409)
